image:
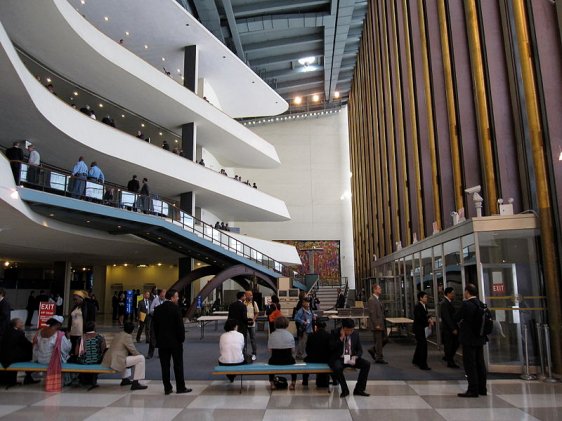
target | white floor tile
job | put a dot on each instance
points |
(135, 414)
(489, 414)
(80, 399)
(233, 402)
(307, 415)
(387, 402)
(8, 409)
(534, 400)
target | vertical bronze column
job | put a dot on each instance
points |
(451, 108)
(481, 101)
(551, 274)
(430, 121)
(413, 121)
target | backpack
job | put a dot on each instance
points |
(280, 382)
(486, 323)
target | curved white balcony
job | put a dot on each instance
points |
(61, 134)
(54, 33)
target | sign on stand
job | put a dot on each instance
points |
(46, 311)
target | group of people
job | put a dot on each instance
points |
(81, 173)
(457, 327)
(16, 156)
(222, 226)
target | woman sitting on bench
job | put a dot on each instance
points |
(231, 346)
(281, 344)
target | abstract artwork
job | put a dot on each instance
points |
(318, 256)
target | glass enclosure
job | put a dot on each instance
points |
(500, 258)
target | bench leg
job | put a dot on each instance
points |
(241, 384)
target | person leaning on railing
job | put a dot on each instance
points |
(15, 155)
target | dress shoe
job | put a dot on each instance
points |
(381, 362)
(483, 393)
(137, 386)
(372, 353)
(344, 393)
(126, 382)
(425, 368)
(453, 365)
(168, 391)
(467, 395)
(186, 390)
(360, 393)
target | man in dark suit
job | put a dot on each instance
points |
(238, 311)
(5, 311)
(470, 321)
(144, 321)
(449, 328)
(346, 351)
(170, 335)
(15, 155)
(421, 321)
(317, 346)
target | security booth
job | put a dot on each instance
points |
(498, 254)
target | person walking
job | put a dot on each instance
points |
(170, 335)
(470, 322)
(377, 324)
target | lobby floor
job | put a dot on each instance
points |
(511, 400)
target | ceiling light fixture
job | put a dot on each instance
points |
(316, 97)
(123, 115)
(49, 79)
(163, 59)
(105, 18)
(305, 61)
(101, 105)
(142, 124)
(336, 94)
(145, 47)
(127, 33)
(75, 93)
(297, 100)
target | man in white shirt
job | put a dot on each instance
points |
(34, 161)
(252, 310)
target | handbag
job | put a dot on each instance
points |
(280, 382)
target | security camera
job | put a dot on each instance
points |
(475, 189)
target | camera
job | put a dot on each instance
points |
(475, 189)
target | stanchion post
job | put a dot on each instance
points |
(526, 375)
(542, 375)
(549, 378)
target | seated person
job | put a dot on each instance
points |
(281, 345)
(45, 342)
(94, 348)
(123, 354)
(231, 346)
(346, 351)
(318, 351)
(15, 348)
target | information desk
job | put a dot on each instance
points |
(399, 323)
(205, 320)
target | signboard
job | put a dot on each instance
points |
(199, 304)
(46, 311)
(129, 302)
(498, 285)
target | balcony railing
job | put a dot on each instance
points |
(61, 182)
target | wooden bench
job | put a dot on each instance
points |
(267, 369)
(66, 368)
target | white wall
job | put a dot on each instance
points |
(313, 176)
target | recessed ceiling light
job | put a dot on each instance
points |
(114, 265)
(182, 78)
(49, 79)
(163, 59)
(123, 115)
(176, 140)
(305, 61)
(145, 46)
(142, 124)
(87, 222)
(179, 70)
(105, 18)
(83, 1)
(119, 226)
(125, 264)
(336, 94)
(315, 97)
(127, 33)
(51, 215)
(159, 264)
(101, 105)
(297, 100)
(75, 93)
(160, 133)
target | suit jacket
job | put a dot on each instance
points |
(317, 347)
(469, 323)
(448, 323)
(376, 313)
(168, 325)
(14, 154)
(142, 307)
(337, 346)
(421, 319)
(121, 347)
(15, 347)
(238, 311)
(5, 310)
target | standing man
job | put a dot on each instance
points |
(470, 322)
(377, 324)
(346, 351)
(252, 311)
(114, 305)
(238, 311)
(449, 329)
(79, 172)
(170, 335)
(133, 185)
(340, 303)
(421, 321)
(159, 299)
(34, 161)
(31, 307)
(144, 321)
(5, 310)
(15, 155)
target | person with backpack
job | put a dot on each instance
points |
(474, 321)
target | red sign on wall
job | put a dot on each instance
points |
(46, 311)
(498, 288)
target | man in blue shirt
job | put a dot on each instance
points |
(79, 174)
(95, 173)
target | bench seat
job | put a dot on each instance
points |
(262, 368)
(66, 368)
